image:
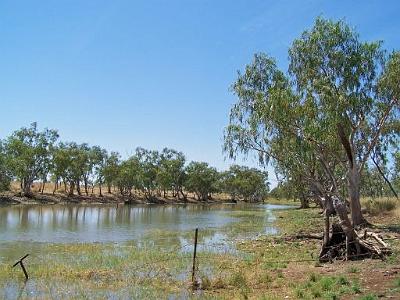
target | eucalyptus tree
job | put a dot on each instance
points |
(171, 172)
(98, 159)
(201, 179)
(69, 161)
(129, 176)
(91, 161)
(149, 164)
(354, 85)
(86, 166)
(110, 169)
(326, 115)
(5, 176)
(243, 183)
(29, 153)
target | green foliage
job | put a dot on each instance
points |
(5, 176)
(201, 179)
(70, 160)
(29, 154)
(171, 173)
(110, 170)
(149, 164)
(326, 287)
(128, 176)
(245, 183)
(369, 297)
(323, 119)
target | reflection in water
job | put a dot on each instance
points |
(82, 223)
(103, 223)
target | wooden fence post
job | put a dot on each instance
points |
(194, 259)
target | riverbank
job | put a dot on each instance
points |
(10, 198)
(15, 198)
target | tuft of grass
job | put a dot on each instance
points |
(205, 283)
(326, 287)
(313, 277)
(355, 287)
(300, 293)
(238, 280)
(353, 270)
(397, 283)
(369, 297)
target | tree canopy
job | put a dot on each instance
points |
(320, 121)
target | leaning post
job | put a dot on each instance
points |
(194, 258)
(20, 262)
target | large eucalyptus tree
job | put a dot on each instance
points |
(29, 153)
(320, 121)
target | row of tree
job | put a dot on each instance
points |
(29, 155)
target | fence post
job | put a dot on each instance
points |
(194, 258)
(19, 262)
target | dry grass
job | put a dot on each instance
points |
(383, 205)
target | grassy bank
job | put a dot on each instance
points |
(247, 264)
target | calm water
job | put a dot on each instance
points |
(103, 223)
(29, 229)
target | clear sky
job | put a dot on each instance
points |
(122, 74)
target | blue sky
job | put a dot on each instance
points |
(122, 74)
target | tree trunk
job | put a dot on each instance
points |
(43, 185)
(353, 177)
(78, 187)
(354, 194)
(86, 186)
(348, 229)
(109, 188)
(71, 188)
(27, 188)
(55, 186)
(100, 194)
(304, 201)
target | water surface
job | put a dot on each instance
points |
(106, 223)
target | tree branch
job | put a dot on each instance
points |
(377, 133)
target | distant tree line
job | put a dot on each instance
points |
(29, 155)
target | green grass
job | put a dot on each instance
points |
(353, 270)
(369, 297)
(326, 287)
